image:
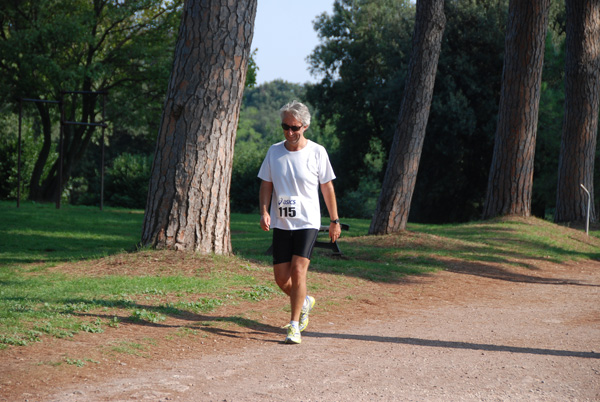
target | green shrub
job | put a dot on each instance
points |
(31, 144)
(245, 184)
(127, 181)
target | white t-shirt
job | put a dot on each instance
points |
(296, 177)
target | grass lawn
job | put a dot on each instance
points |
(37, 233)
(60, 268)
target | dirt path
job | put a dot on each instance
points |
(465, 334)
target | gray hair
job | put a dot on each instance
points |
(298, 110)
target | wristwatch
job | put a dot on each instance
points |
(335, 221)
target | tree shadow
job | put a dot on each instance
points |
(495, 272)
(388, 258)
(394, 263)
(201, 322)
(435, 343)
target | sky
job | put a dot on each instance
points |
(284, 36)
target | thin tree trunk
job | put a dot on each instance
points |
(76, 141)
(580, 124)
(398, 185)
(188, 198)
(510, 180)
(41, 192)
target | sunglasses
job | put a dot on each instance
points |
(286, 127)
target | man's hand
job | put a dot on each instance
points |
(264, 197)
(265, 222)
(335, 230)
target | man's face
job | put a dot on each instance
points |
(290, 123)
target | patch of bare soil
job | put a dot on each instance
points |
(475, 332)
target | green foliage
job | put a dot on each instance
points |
(252, 70)
(150, 316)
(126, 47)
(93, 328)
(362, 59)
(245, 184)
(366, 46)
(550, 120)
(134, 64)
(362, 201)
(127, 181)
(363, 56)
(8, 157)
(31, 145)
(258, 293)
(458, 146)
(49, 46)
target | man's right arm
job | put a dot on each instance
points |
(264, 197)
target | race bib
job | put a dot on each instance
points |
(288, 207)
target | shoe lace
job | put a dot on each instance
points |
(290, 329)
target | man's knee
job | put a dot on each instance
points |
(299, 269)
(282, 273)
(281, 281)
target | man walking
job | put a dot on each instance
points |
(291, 174)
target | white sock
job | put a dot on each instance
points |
(295, 324)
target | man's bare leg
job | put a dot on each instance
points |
(291, 278)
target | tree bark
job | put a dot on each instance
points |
(188, 198)
(580, 124)
(510, 180)
(393, 206)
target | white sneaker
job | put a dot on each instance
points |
(304, 313)
(293, 334)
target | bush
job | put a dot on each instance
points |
(31, 144)
(245, 184)
(360, 203)
(127, 181)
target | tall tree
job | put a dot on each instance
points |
(49, 46)
(188, 197)
(398, 185)
(580, 123)
(510, 180)
(363, 59)
(457, 151)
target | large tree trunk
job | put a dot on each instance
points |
(188, 197)
(580, 124)
(398, 185)
(510, 180)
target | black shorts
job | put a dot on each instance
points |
(287, 243)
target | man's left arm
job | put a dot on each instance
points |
(335, 229)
